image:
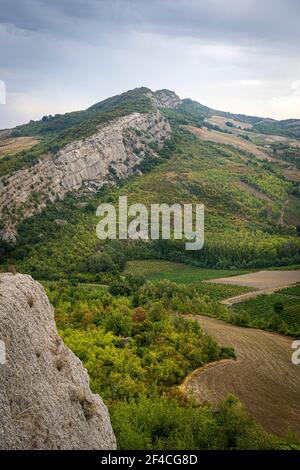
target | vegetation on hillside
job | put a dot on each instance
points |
(58, 130)
(177, 272)
(241, 231)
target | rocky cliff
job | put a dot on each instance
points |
(166, 99)
(113, 152)
(45, 399)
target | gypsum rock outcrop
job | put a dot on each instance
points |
(113, 152)
(45, 399)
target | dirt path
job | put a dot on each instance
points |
(263, 377)
(265, 282)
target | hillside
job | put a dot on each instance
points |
(173, 151)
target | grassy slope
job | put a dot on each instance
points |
(176, 272)
(240, 228)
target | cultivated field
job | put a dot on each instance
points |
(263, 279)
(263, 376)
(221, 122)
(9, 146)
(228, 139)
(177, 272)
(263, 307)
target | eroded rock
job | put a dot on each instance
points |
(45, 399)
(113, 153)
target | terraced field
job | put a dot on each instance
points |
(263, 376)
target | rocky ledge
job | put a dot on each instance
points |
(113, 153)
(45, 399)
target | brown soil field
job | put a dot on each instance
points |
(262, 279)
(221, 122)
(10, 146)
(243, 128)
(263, 376)
(292, 174)
(228, 139)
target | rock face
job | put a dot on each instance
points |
(166, 99)
(114, 152)
(45, 399)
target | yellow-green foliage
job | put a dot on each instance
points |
(162, 423)
(159, 349)
(136, 354)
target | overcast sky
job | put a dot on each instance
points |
(234, 55)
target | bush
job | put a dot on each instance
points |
(162, 423)
(100, 263)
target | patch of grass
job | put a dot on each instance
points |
(176, 272)
(294, 291)
(261, 311)
(284, 268)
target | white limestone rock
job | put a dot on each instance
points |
(45, 399)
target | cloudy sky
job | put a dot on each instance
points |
(62, 55)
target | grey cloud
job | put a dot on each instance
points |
(247, 20)
(85, 50)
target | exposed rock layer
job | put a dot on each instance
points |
(113, 152)
(45, 399)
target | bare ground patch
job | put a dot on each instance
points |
(221, 122)
(228, 139)
(263, 376)
(10, 146)
(262, 279)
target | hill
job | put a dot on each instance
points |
(172, 151)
